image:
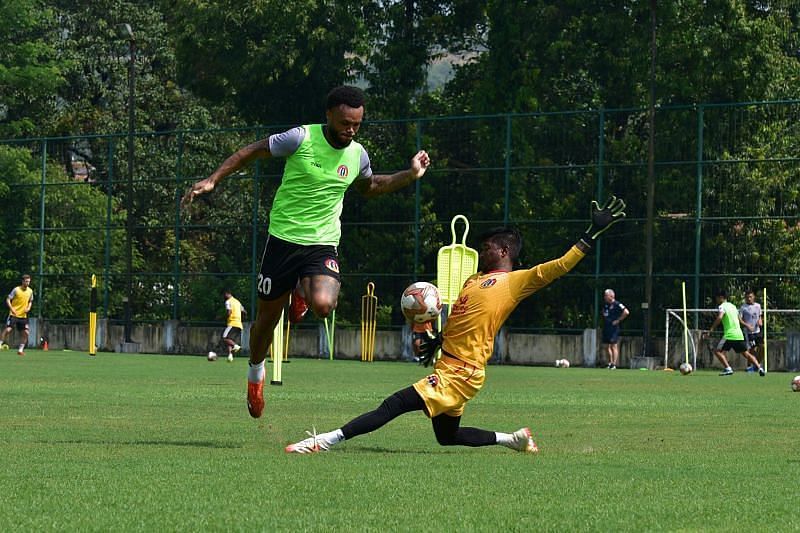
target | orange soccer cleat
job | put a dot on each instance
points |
(255, 398)
(298, 308)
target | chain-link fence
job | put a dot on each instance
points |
(726, 212)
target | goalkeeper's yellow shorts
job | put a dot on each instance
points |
(452, 384)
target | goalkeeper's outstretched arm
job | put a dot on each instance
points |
(601, 219)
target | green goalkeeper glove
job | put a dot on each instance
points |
(603, 218)
(429, 347)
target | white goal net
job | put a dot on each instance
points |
(686, 338)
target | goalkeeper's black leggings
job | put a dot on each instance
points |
(447, 428)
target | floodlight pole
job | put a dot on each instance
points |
(127, 32)
(647, 305)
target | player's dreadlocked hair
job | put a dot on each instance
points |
(505, 236)
(347, 95)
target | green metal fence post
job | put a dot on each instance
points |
(176, 275)
(109, 203)
(417, 196)
(254, 244)
(698, 218)
(507, 172)
(601, 154)
(40, 285)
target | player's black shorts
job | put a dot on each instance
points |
(283, 263)
(20, 323)
(232, 333)
(754, 339)
(726, 344)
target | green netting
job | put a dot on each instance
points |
(726, 206)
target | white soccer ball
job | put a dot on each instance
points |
(212, 356)
(421, 302)
(796, 384)
(685, 369)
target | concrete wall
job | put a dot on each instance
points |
(510, 348)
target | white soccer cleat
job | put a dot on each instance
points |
(523, 441)
(236, 348)
(312, 444)
(230, 358)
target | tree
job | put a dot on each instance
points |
(30, 72)
(273, 60)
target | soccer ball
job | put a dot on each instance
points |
(562, 363)
(421, 302)
(212, 356)
(685, 369)
(796, 384)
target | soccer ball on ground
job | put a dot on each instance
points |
(796, 384)
(685, 369)
(212, 356)
(562, 363)
(421, 302)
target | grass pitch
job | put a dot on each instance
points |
(154, 443)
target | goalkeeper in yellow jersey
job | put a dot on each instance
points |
(467, 340)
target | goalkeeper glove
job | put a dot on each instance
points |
(429, 347)
(603, 218)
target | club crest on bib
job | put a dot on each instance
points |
(433, 380)
(342, 171)
(331, 264)
(488, 283)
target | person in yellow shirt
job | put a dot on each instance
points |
(467, 341)
(232, 334)
(19, 302)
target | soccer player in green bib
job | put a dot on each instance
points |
(300, 256)
(732, 336)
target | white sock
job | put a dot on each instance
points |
(504, 439)
(332, 437)
(21, 347)
(255, 373)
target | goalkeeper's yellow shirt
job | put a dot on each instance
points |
(234, 308)
(487, 299)
(20, 298)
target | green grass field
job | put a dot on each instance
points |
(155, 443)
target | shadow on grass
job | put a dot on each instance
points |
(400, 451)
(182, 443)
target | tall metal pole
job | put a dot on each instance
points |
(128, 300)
(647, 305)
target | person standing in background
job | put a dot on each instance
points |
(751, 321)
(19, 302)
(614, 312)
